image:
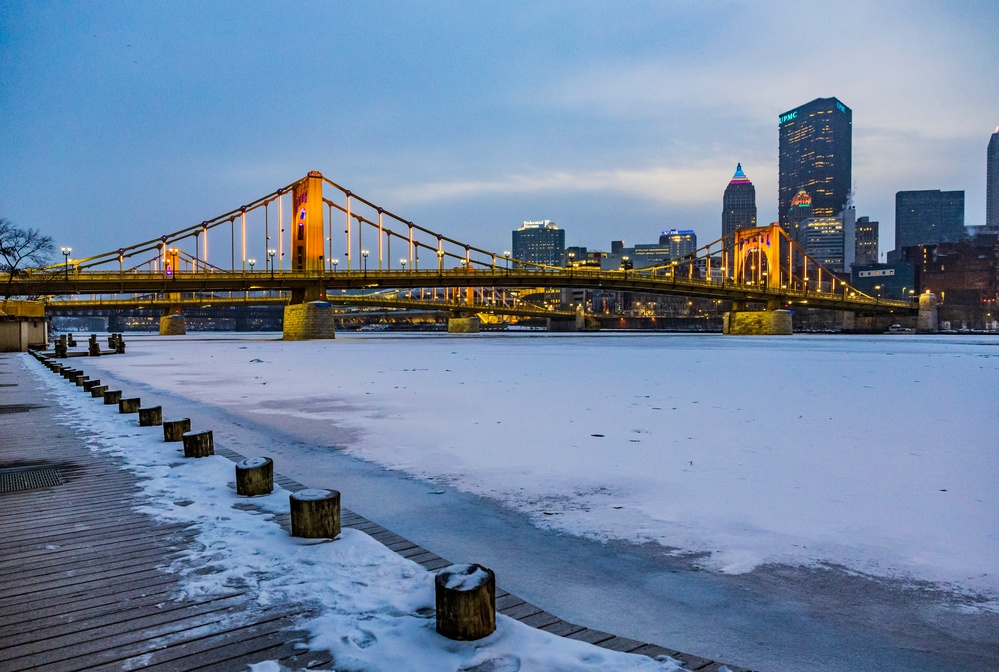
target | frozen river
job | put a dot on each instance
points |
(807, 502)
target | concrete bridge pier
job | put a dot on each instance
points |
(463, 324)
(928, 320)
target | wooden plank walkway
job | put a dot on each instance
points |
(81, 585)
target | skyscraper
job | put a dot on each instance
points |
(539, 242)
(928, 217)
(816, 154)
(823, 240)
(992, 183)
(738, 203)
(681, 243)
(867, 241)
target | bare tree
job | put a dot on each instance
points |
(21, 249)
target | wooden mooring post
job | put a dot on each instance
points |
(255, 476)
(198, 444)
(173, 430)
(150, 416)
(466, 602)
(315, 513)
(129, 405)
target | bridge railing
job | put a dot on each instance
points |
(637, 280)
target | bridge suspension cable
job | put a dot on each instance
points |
(761, 264)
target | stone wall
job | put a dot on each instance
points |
(757, 323)
(310, 320)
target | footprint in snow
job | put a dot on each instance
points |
(504, 663)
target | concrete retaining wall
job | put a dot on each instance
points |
(17, 333)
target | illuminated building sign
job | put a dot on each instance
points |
(841, 107)
(876, 274)
(790, 116)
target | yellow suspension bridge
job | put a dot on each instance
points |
(317, 237)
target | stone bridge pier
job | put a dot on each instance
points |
(773, 321)
(172, 323)
(463, 324)
(308, 320)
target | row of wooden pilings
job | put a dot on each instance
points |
(115, 342)
(465, 594)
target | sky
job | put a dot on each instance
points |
(123, 121)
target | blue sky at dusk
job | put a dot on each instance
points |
(123, 121)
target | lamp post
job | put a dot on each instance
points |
(65, 253)
(364, 253)
(440, 261)
(252, 263)
(335, 263)
(506, 259)
(270, 255)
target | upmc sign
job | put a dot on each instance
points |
(790, 116)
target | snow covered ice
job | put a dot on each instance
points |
(871, 455)
(874, 454)
(375, 608)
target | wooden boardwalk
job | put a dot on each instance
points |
(81, 579)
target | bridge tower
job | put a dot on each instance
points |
(756, 260)
(308, 233)
(308, 315)
(757, 256)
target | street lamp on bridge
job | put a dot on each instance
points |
(252, 263)
(270, 255)
(336, 262)
(66, 252)
(364, 254)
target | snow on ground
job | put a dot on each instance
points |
(375, 608)
(876, 454)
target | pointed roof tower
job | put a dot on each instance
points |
(739, 177)
(801, 200)
(738, 203)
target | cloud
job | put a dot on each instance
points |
(672, 186)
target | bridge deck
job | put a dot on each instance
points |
(81, 578)
(108, 282)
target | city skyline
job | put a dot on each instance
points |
(127, 121)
